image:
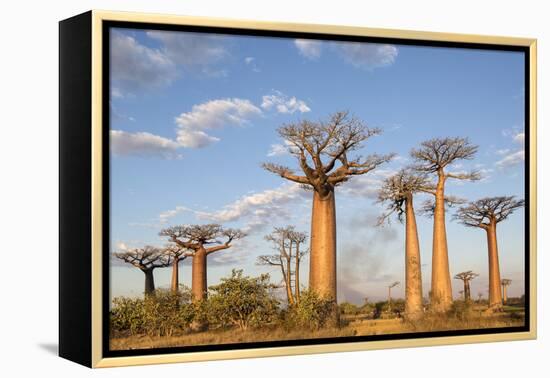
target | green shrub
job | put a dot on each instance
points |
(241, 301)
(312, 312)
(160, 314)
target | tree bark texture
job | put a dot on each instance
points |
(198, 275)
(174, 285)
(413, 274)
(149, 282)
(322, 270)
(495, 296)
(441, 297)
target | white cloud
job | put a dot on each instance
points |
(165, 216)
(284, 104)
(309, 48)
(190, 48)
(512, 159)
(358, 54)
(519, 138)
(142, 144)
(257, 209)
(277, 150)
(214, 114)
(366, 185)
(248, 60)
(367, 55)
(135, 66)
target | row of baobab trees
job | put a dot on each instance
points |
(324, 151)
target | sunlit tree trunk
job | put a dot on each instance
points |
(413, 275)
(504, 295)
(149, 282)
(495, 296)
(198, 275)
(174, 285)
(441, 298)
(467, 295)
(322, 262)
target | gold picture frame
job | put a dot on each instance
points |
(87, 32)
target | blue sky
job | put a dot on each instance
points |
(193, 116)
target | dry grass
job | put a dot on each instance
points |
(475, 319)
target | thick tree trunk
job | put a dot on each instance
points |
(198, 275)
(442, 297)
(149, 282)
(174, 285)
(504, 295)
(322, 266)
(413, 274)
(495, 296)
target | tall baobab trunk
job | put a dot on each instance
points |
(149, 282)
(495, 297)
(504, 294)
(322, 261)
(441, 298)
(198, 275)
(174, 285)
(413, 274)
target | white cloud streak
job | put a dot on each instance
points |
(284, 104)
(142, 144)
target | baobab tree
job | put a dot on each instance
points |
(286, 241)
(434, 157)
(146, 259)
(486, 213)
(196, 238)
(391, 286)
(505, 282)
(398, 191)
(322, 150)
(466, 277)
(178, 254)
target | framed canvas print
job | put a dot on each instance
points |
(237, 189)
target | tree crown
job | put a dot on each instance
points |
(466, 276)
(436, 154)
(194, 236)
(486, 211)
(321, 146)
(145, 258)
(397, 189)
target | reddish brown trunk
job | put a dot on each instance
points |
(495, 297)
(467, 296)
(441, 296)
(198, 275)
(504, 295)
(413, 274)
(322, 271)
(174, 285)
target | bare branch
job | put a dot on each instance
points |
(436, 154)
(486, 211)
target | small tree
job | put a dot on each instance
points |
(146, 259)
(486, 213)
(398, 191)
(196, 238)
(466, 277)
(242, 301)
(434, 157)
(505, 282)
(286, 241)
